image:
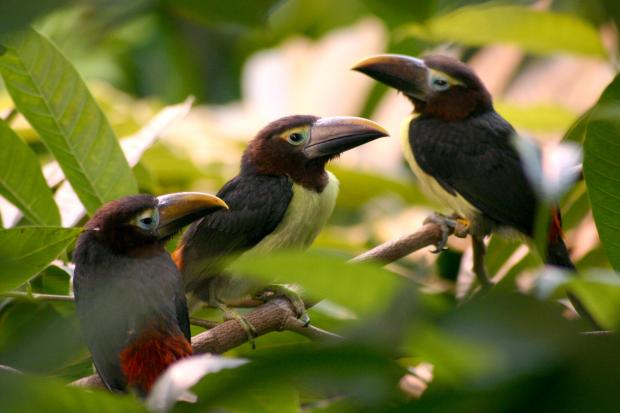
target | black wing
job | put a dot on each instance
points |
(476, 159)
(257, 204)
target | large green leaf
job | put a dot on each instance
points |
(26, 251)
(360, 287)
(49, 92)
(534, 31)
(25, 394)
(22, 182)
(601, 169)
(600, 293)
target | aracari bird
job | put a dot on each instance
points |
(128, 291)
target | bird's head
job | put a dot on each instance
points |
(133, 223)
(437, 85)
(299, 146)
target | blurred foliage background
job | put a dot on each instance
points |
(550, 66)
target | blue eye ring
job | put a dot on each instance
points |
(439, 84)
(296, 138)
(148, 220)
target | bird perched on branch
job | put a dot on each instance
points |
(128, 291)
(462, 152)
(281, 199)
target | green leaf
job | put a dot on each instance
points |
(600, 294)
(533, 30)
(350, 368)
(25, 394)
(601, 169)
(363, 288)
(22, 182)
(49, 92)
(25, 251)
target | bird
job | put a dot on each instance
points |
(463, 155)
(281, 199)
(128, 292)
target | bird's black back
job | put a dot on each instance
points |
(475, 158)
(118, 296)
(257, 204)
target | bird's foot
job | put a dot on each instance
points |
(230, 314)
(280, 290)
(449, 225)
(461, 229)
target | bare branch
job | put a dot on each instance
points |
(275, 315)
(429, 234)
(279, 315)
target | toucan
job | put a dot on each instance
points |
(281, 199)
(129, 295)
(462, 152)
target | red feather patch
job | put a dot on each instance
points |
(144, 360)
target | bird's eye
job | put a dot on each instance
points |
(147, 220)
(296, 138)
(439, 84)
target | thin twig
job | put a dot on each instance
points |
(22, 295)
(200, 322)
(313, 333)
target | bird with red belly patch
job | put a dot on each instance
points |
(128, 291)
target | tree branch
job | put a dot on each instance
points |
(275, 315)
(429, 234)
(279, 315)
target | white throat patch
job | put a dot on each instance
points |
(304, 218)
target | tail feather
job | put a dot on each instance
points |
(557, 253)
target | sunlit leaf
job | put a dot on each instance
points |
(49, 92)
(22, 182)
(26, 251)
(133, 147)
(533, 30)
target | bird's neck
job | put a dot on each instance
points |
(312, 175)
(121, 243)
(454, 110)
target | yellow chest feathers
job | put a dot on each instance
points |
(304, 218)
(429, 185)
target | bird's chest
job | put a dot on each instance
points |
(304, 218)
(429, 185)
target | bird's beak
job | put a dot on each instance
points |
(404, 73)
(331, 136)
(180, 209)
